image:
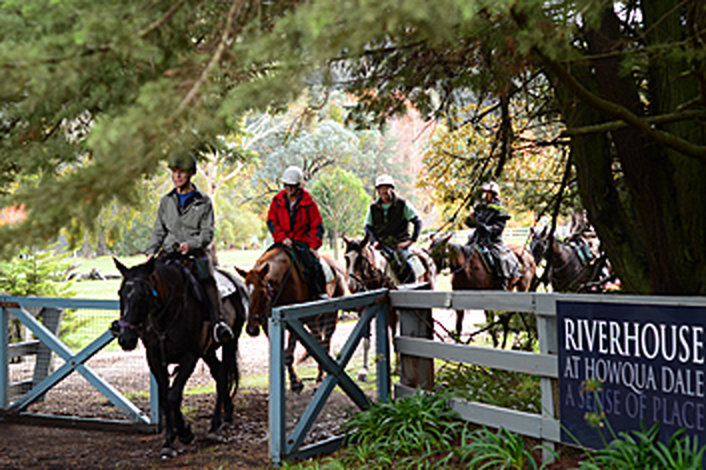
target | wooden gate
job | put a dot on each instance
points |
(375, 304)
(16, 397)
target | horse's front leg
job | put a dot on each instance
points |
(324, 338)
(219, 374)
(364, 371)
(295, 382)
(175, 395)
(161, 375)
(459, 325)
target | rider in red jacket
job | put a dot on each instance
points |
(295, 222)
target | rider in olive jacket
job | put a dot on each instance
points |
(185, 224)
(387, 227)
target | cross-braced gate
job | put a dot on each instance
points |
(374, 304)
(44, 380)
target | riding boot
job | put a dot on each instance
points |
(222, 333)
(320, 285)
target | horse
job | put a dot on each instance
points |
(274, 281)
(160, 303)
(469, 271)
(569, 270)
(369, 269)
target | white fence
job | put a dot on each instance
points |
(418, 350)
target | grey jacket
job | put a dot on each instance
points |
(193, 224)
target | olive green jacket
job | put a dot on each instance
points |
(193, 224)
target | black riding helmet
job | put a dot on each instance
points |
(184, 161)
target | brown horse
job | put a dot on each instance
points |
(567, 270)
(369, 269)
(274, 281)
(470, 272)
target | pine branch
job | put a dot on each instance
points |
(237, 4)
(166, 17)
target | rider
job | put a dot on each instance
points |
(184, 224)
(387, 226)
(583, 235)
(295, 222)
(489, 218)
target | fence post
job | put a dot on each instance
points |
(416, 372)
(51, 318)
(383, 351)
(277, 410)
(547, 334)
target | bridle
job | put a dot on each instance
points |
(377, 278)
(272, 296)
(155, 314)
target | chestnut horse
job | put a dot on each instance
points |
(368, 269)
(274, 281)
(470, 272)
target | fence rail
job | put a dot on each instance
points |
(544, 364)
(16, 398)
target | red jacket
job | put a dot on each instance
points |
(305, 225)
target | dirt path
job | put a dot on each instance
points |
(244, 445)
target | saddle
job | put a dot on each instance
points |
(583, 252)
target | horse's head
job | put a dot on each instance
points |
(538, 244)
(438, 251)
(359, 265)
(136, 299)
(261, 296)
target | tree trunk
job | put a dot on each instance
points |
(645, 200)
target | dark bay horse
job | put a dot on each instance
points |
(470, 272)
(274, 281)
(567, 270)
(160, 304)
(369, 269)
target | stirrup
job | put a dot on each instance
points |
(222, 333)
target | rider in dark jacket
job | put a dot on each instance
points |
(489, 218)
(184, 224)
(387, 226)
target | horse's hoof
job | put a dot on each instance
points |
(187, 437)
(215, 436)
(167, 453)
(297, 387)
(362, 376)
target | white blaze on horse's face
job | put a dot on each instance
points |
(351, 259)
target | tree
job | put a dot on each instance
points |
(342, 202)
(94, 95)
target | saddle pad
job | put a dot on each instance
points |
(328, 272)
(417, 266)
(224, 284)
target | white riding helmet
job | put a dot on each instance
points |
(293, 175)
(492, 187)
(384, 180)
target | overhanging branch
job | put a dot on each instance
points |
(670, 140)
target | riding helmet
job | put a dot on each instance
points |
(184, 161)
(292, 176)
(492, 187)
(384, 180)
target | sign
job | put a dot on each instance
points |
(649, 359)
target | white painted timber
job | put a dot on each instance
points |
(543, 365)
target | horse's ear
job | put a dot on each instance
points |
(346, 240)
(121, 267)
(243, 273)
(150, 264)
(264, 270)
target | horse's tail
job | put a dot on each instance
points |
(230, 363)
